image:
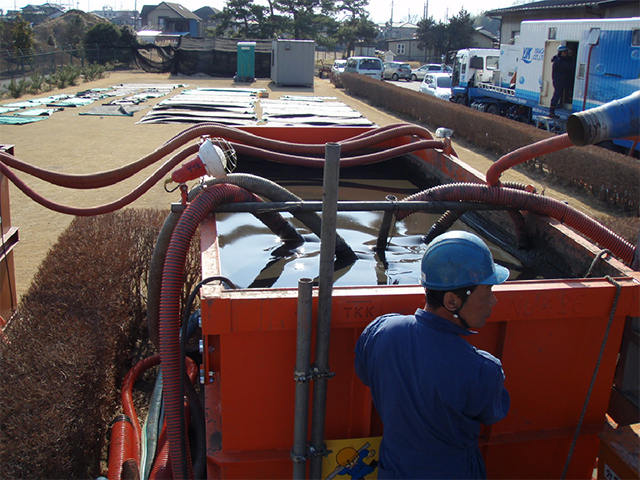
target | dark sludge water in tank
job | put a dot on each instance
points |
(253, 257)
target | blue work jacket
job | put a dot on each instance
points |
(432, 390)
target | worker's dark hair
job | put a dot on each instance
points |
(435, 298)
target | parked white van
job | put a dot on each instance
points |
(371, 66)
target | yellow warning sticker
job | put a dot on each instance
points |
(354, 458)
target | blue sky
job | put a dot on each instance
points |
(380, 10)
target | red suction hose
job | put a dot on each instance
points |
(126, 434)
(171, 291)
(107, 208)
(522, 200)
(121, 446)
(521, 155)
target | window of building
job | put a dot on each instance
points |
(400, 48)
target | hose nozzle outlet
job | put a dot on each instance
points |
(216, 157)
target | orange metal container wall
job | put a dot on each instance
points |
(548, 334)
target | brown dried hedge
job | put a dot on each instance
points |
(610, 176)
(66, 352)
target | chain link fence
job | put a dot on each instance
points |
(18, 64)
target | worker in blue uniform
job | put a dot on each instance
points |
(431, 388)
(562, 72)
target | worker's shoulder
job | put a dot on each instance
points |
(386, 321)
(489, 366)
(487, 356)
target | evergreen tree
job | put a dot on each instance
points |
(104, 37)
(22, 35)
(442, 37)
(460, 31)
(243, 19)
(73, 34)
(358, 29)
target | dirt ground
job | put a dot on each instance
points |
(71, 143)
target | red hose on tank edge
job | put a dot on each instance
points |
(521, 155)
(101, 209)
(522, 200)
(111, 177)
(192, 150)
(517, 157)
(171, 290)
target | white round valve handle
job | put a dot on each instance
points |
(213, 158)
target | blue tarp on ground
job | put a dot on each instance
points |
(14, 120)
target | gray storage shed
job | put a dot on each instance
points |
(292, 62)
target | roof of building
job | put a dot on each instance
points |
(480, 30)
(558, 4)
(176, 7)
(32, 8)
(398, 25)
(206, 12)
(146, 9)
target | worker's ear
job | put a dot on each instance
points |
(451, 302)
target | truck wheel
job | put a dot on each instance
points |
(461, 100)
(493, 109)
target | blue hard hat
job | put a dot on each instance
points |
(459, 259)
(562, 48)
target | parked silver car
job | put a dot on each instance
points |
(370, 66)
(396, 71)
(437, 85)
(419, 73)
(338, 66)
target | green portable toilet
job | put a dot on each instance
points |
(246, 62)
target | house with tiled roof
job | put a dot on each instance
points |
(172, 18)
(40, 13)
(511, 17)
(205, 13)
